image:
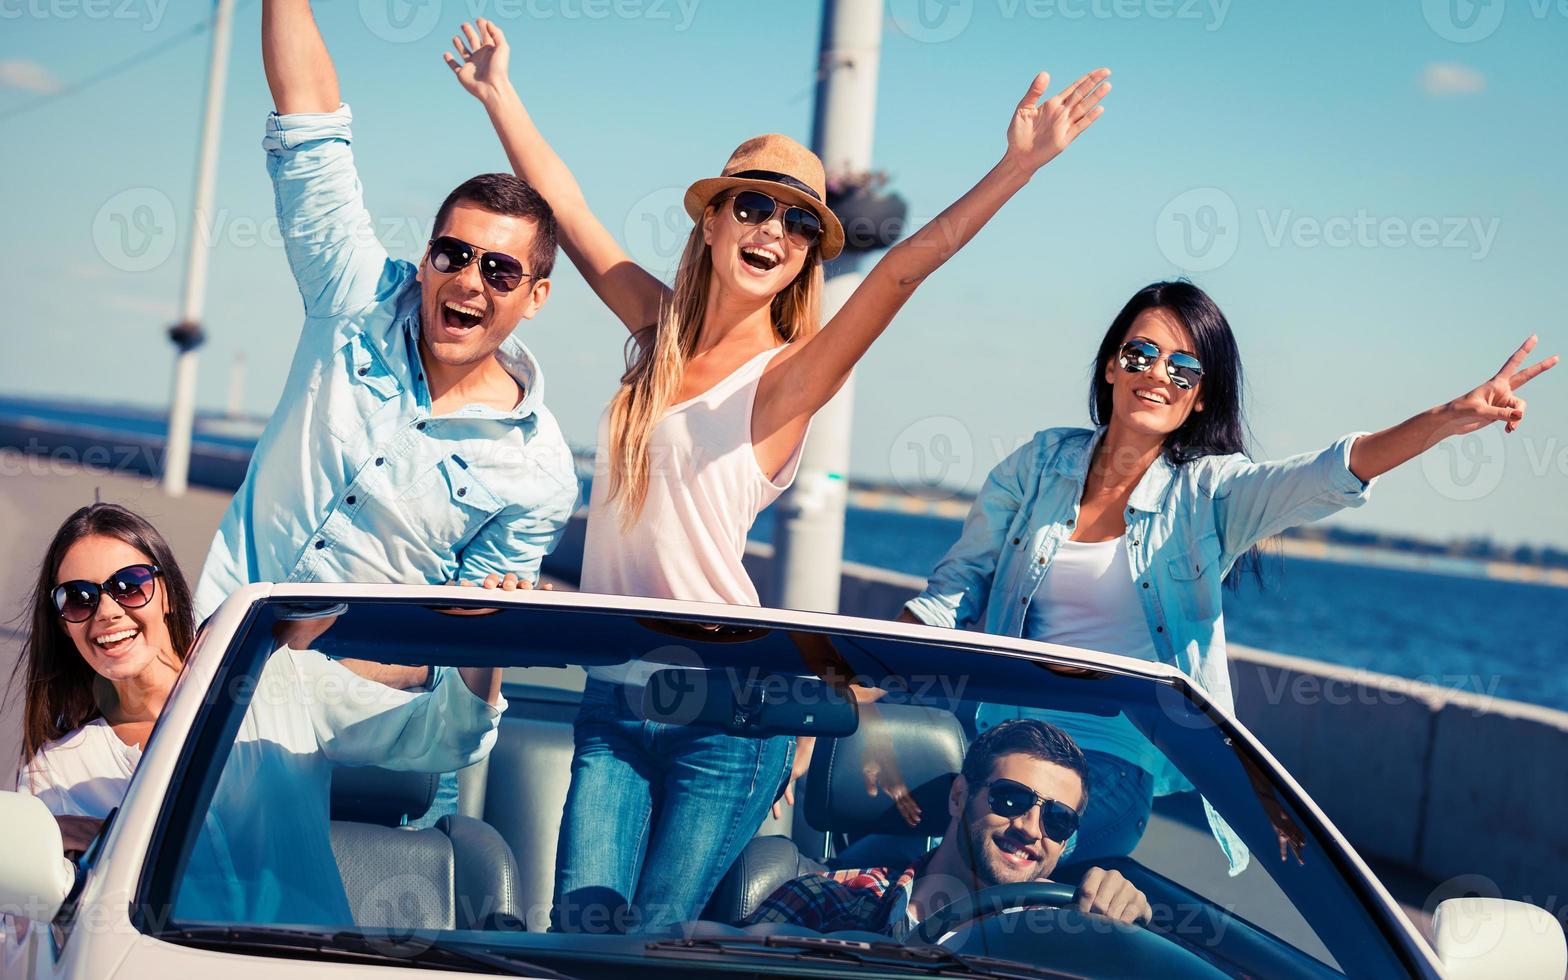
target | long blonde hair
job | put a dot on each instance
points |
(655, 365)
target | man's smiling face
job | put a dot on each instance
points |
(464, 318)
(1001, 850)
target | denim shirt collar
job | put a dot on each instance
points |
(1149, 495)
(514, 355)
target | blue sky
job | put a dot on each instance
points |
(1372, 192)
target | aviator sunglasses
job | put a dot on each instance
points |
(504, 273)
(131, 587)
(800, 226)
(1139, 356)
(1011, 799)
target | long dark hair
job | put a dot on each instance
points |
(1220, 429)
(59, 683)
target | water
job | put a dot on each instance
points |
(1497, 638)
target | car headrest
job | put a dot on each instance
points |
(928, 747)
(369, 794)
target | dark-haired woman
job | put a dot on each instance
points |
(111, 620)
(1118, 538)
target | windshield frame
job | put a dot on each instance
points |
(212, 731)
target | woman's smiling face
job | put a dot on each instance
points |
(118, 643)
(1149, 402)
(753, 260)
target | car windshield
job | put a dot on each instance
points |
(310, 806)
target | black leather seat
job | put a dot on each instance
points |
(867, 831)
(458, 875)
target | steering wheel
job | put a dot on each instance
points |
(992, 901)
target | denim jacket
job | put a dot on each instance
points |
(1186, 526)
(354, 479)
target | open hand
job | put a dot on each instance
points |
(1041, 130)
(481, 59)
(1497, 399)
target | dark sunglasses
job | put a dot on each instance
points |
(132, 587)
(1139, 356)
(800, 226)
(1011, 799)
(504, 273)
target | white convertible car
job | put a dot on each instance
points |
(174, 885)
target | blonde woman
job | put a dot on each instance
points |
(725, 372)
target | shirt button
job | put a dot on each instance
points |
(1146, 585)
(1017, 540)
(380, 460)
(420, 426)
(1024, 601)
(364, 371)
(350, 500)
(462, 491)
(320, 545)
(1070, 522)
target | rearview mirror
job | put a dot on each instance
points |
(750, 704)
(35, 877)
(1485, 938)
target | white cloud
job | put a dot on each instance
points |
(29, 76)
(1446, 78)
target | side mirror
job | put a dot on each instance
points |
(35, 877)
(1485, 938)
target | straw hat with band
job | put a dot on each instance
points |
(782, 169)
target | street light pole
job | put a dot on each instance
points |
(187, 334)
(809, 526)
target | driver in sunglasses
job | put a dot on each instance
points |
(411, 442)
(1013, 810)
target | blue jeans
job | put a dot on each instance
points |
(655, 815)
(1121, 796)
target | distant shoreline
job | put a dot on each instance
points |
(1496, 571)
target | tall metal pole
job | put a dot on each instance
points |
(187, 334)
(809, 528)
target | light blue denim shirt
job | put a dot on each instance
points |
(1186, 526)
(353, 479)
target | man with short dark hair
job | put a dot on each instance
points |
(1013, 809)
(411, 443)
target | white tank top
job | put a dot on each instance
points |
(705, 491)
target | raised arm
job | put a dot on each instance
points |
(1496, 400)
(819, 366)
(299, 69)
(631, 293)
(327, 233)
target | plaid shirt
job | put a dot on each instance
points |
(863, 899)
